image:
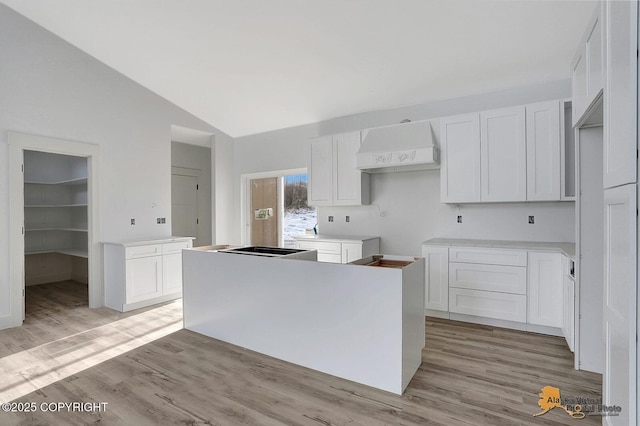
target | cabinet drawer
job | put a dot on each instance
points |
(171, 248)
(489, 256)
(331, 258)
(328, 247)
(142, 251)
(504, 279)
(488, 304)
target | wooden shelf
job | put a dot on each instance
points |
(56, 229)
(77, 181)
(69, 252)
(53, 205)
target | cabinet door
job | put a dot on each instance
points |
(594, 60)
(172, 273)
(460, 171)
(568, 303)
(579, 86)
(351, 252)
(144, 278)
(503, 158)
(543, 151)
(436, 275)
(347, 179)
(620, 301)
(620, 112)
(545, 289)
(321, 172)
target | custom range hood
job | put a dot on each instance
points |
(397, 148)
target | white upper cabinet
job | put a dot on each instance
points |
(333, 177)
(543, 151)
(321, 172)
(505, 155)
(460, 171)
(620, 112)
(587, 70)
(503, 159)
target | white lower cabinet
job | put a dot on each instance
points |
(142, 273)
(340, 249)
(545, 289)
(522, 289)
(436, 275)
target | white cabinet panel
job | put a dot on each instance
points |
(134, 252)
(436, 262)
(172, 273)
(488, 256)
(620, 301)
(334, 179)
(351, 252)
(488, 304)
(620, 109)
(321, 172)
(579, 85)
(331, 258)
(503, 158)
(543, 151)
(144, 278)
(545, 289)
(568, 311)
(460, 171)
(329, 247)
(505, 279)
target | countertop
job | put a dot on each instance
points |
(324, 237)
(568, 249)
(152, 240)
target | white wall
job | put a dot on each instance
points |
(406, 208)
(51, 88)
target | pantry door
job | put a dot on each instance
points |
(264, 211)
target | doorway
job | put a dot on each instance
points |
(274, 208)
(67, 230)
(184, 205)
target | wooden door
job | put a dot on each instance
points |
(620, 278)
(184, 206)
(460, 173)
(503, 157)
(264, 212)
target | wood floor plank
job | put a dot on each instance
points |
(471, 374)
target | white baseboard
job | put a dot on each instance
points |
(436, 314)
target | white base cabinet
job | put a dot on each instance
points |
(340, 249)
(143, 273)
(495, 285)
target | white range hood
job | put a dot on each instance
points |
(397, 148)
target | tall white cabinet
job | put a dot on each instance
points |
(334, 179)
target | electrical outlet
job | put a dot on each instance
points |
(133, 221)
(531, 220)
(330, 218)
(159, 220)
(347, 218)
(459, 219)
(163, 220)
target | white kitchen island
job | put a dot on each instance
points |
(361, 323)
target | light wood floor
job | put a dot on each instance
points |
(471, 375)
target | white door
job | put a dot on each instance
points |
(436, 276)
(503, 157)
(543, 151)
(172, 273)
(460, 171)
(620, 142)
(144, 278)
(619, 387)
(184, 206)
(346, 177)
(321, 172)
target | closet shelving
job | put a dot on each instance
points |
(56, 216)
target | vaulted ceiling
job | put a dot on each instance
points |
(249, 66)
